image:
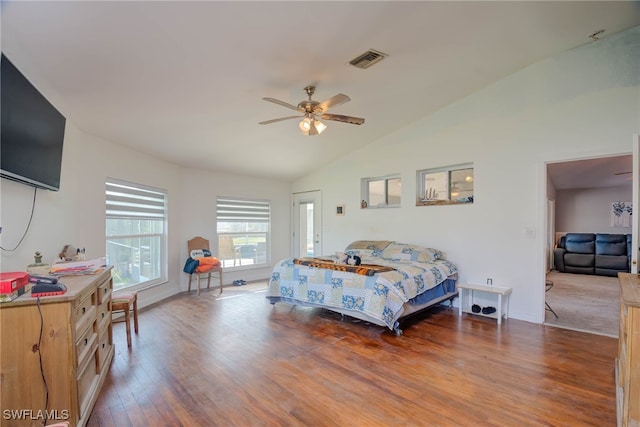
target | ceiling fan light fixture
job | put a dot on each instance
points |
(310, 126)
(305, 125)
(320, 127)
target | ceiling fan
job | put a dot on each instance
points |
(310, 125)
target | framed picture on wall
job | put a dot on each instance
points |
(340, 210)
(621, 214)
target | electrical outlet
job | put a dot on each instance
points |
(489, 281)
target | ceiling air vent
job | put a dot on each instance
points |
(367, 59)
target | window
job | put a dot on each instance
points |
(136, 233)
(445, 186)
(381, 192)
(243, 232)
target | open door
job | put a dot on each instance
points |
(635, 228)
(307, 211)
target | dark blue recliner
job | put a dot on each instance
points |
(593, 253)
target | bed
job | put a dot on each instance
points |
(394, 281)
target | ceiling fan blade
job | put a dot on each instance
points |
(284, 104)
(338, 99)
(266, 122)
(344, 119)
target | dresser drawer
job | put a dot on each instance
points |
(104, 346)
(85, 346)
(85, 312)
(103, 316)
(104, 291)
(87, 382)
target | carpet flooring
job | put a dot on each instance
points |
(584, 303)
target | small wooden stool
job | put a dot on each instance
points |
(126, 301)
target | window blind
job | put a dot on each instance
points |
(129, 202)
(239, 210)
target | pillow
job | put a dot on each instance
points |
(362, 253)
(367, 248)
(196, 253)
(199, 253)
(404, 252)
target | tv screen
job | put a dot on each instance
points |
(32, 132)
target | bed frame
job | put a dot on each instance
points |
(409, 309)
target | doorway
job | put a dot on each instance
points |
(307, 214)
(579, 198)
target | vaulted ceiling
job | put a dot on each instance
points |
(184, 81)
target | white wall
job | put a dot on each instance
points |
(199, 213)
(76, 214)
(589, 210)
(582, 103)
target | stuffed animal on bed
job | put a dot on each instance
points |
(354, 260)
(347, 259)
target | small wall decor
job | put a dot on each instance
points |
(38, 267)
(621, 214)
(340, 210)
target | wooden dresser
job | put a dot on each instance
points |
(628, 362)
(75, 352)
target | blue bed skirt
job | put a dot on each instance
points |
(437, 291)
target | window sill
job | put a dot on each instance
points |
(246, 267)
(142, 286)
(382, 207)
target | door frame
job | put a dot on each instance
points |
(542, 264)
(551, 233)
(305, 196)
(635, 219)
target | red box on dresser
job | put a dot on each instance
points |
(13, 284)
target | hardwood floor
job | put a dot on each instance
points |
(243, 362)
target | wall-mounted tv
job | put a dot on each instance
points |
(32, 132)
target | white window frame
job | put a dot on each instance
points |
(128, 200)
(242, 209)
(366, 202)
(424, 197)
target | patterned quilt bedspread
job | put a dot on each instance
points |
(380, 296)
(366, 269)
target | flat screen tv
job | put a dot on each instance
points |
(32, 132)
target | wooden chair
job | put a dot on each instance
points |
(200, 243)
(126, 302)
(227, 250)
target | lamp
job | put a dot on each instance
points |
(455, 191)
(311, 126)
